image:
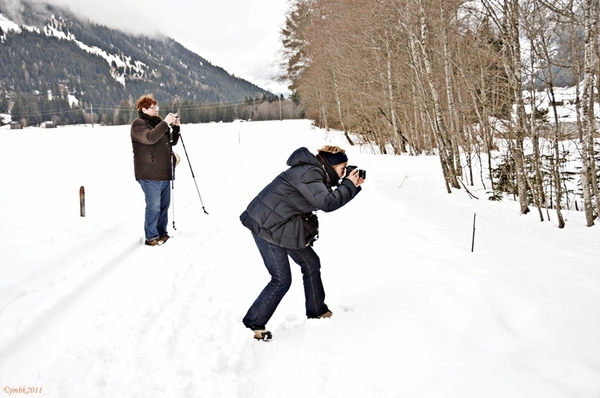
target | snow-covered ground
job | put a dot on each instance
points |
(86, 310)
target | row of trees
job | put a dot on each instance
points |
(34, 109)
(30, 109)
(257, 109)
(450, 76)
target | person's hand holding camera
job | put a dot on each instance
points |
(354, 176)
(172, 118)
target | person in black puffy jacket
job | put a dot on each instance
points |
(283, 223)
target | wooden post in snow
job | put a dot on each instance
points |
(82, 201)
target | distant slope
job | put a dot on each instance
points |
(46, 48)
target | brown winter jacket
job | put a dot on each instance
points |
(152, 144)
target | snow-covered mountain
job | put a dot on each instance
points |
(42, 44)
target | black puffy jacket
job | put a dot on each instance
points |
(275, 214)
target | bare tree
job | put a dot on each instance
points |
(547, 31)
(588, 178)
(443, 77)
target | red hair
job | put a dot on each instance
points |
(145, 101)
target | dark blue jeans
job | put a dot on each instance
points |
(277, 263)
(158, 199)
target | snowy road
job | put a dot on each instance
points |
(86, 310)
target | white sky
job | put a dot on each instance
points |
(241, 36)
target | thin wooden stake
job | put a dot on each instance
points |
(473, 239)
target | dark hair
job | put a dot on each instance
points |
(145, 101)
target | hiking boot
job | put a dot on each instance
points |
(164, 238)
(262, 334)
(154, 242)
(327, 314)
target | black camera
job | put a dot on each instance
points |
(361, 173)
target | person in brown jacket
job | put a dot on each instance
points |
(153, 138)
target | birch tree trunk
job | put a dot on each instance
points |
(543, 50)
(514, 72)
(441, 133)
(506, 17)
(453, 112)
(587, 108)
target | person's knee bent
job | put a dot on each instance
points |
(282, 284)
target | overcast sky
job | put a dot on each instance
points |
(241, 36)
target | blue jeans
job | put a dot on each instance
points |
(158, 199)
(277, 263)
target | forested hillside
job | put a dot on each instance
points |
(52, 60)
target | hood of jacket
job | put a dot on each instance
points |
(302, 156)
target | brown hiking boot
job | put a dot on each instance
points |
(154, 242)
(327, 314)
(262, 334)
(164, 238)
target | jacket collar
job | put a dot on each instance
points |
(153, 120)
